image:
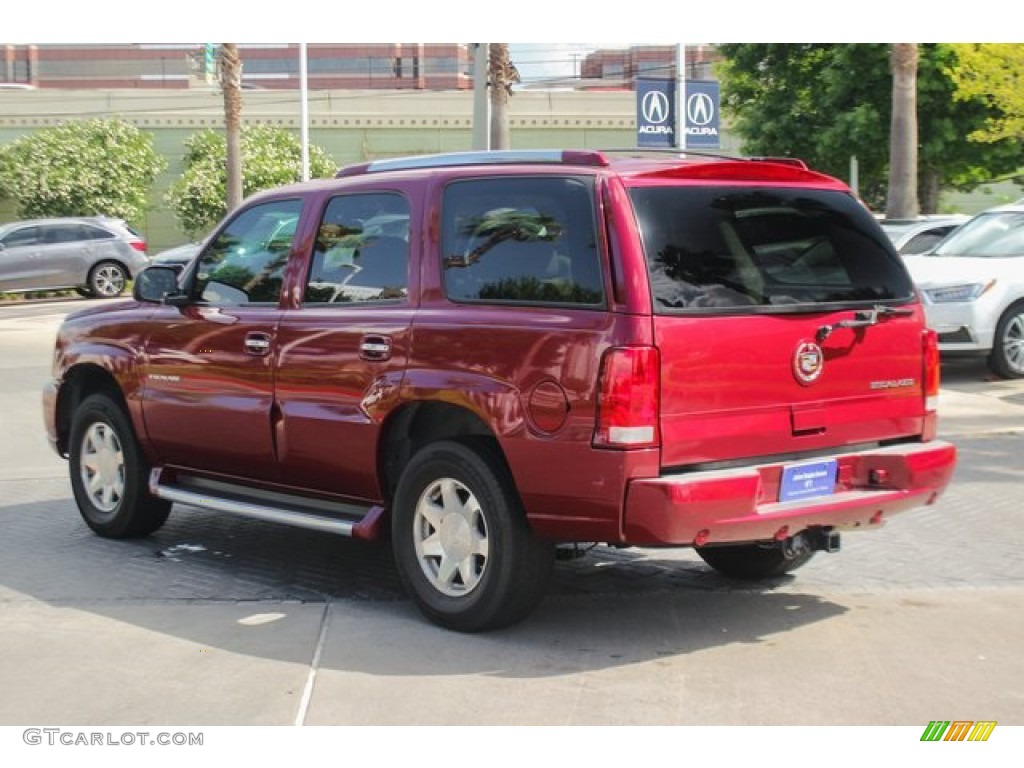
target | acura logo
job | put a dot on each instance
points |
(655, 107)
(700, 109)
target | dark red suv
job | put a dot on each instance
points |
(491, 354)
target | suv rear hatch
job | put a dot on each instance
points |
(785, 322)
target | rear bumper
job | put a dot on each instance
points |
(739, 505)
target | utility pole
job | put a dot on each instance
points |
(481, 104)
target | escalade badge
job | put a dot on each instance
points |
(808, 362)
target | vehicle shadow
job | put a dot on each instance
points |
(611, 608)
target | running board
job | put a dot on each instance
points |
(360, 522)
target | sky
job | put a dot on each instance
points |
(537, 62)
(531, 21)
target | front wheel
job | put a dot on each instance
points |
(107, 280)
(109, 475)
(755, 561)
(1007, 357)
(462, 545)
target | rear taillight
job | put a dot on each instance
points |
(627, 398)
(138, 245)
(931, 370)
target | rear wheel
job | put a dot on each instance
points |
(1007, 356)
(755, 561)
(107, 280)
(109, 475)
(462, 545)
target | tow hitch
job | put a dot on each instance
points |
(813, 539)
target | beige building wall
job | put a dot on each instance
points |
(352, 126)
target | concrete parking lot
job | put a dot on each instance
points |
(217, 620)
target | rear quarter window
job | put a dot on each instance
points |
(738, 249)
(521, 240)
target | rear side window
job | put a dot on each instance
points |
(23, 236)
(65, 233)
(733, 248)
(90, 232)
(362, 251)
(523, 240)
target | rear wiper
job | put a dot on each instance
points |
(863, 318)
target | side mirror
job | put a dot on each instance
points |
(157, 284)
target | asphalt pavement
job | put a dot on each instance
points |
(216, 620)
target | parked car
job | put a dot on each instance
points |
(178, 257)
(972, 284)
(487, 356)
(94, 255)
(921, 234)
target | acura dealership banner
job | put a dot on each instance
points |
(656, 114)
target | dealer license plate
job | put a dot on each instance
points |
(807, 481)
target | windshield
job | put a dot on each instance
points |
(988, 235)
(736, 248)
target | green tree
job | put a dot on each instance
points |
(992, 73)
(826, 102)
(81, 168)
(270, 157)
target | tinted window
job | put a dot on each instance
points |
(362, 251)
(62, 233)
(713, 247)
(23, 236)
(245, 263)
(926, 240)
(521, 240)
(96, 233)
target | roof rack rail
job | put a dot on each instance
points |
(683, 153)
(676, 151)
(795, 161)
(483, 157)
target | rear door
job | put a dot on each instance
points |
(343, 352)
(785, 321)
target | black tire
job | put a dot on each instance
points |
(109, 474)
(462, 545)
(1007, 356)
(107, 280)
(84, 292)
(754, 561)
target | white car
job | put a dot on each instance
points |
(921, 234)
(972, 285)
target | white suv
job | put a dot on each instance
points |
(972, 285)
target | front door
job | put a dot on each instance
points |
(208, 368)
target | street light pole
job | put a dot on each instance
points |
(681, 96)
(304, 110)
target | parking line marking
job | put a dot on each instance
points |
(307, 693)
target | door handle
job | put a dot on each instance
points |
(375, 348)
(257, 343)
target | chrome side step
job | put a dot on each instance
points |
(353, 521)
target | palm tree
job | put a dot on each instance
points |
(503, 74)
(902, 201)
(231, 85)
